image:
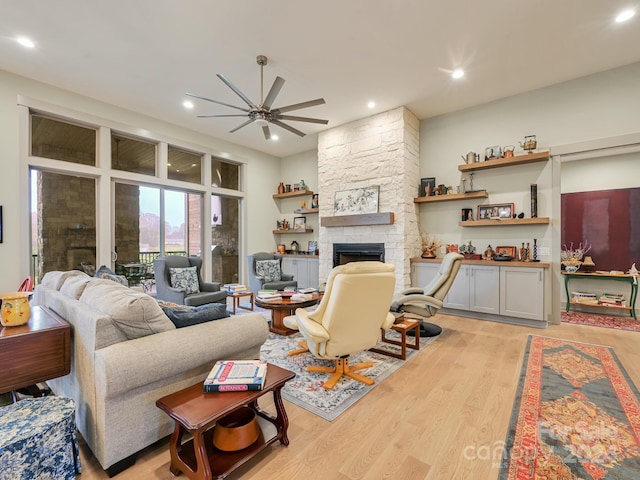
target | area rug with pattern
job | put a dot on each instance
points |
(606, 321)
(576, 415)
(306, 389)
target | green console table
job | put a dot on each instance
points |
(630, 279)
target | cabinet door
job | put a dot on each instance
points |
(423, 273)
(484, 289)
(313, 273)
(522, 292)
(458, 296)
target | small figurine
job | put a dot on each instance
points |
(488, 253)
(303, 186)
(633, 270)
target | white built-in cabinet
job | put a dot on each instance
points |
(503, 291)
(522, 292)
(305, 269)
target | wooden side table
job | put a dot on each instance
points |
(235, 299)
(196, 412)
(34, 352)
(401, 325)
(283, 307)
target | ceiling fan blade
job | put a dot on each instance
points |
(240, 126)
(287, 127)
(297, 106)
(267, 132)
(219, 116)
(273, 93)
(302, 119)
(236, 91)
(216, 101)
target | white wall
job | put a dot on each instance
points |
(263, 172)
(594, 107)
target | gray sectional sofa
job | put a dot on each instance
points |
(126, 354)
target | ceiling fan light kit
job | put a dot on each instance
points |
(262, 114)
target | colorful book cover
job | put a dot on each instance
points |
(236, 376)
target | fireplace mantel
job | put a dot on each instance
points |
(382, 218)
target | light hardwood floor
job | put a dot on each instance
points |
(442, 416)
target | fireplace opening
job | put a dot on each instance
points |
(344, 253)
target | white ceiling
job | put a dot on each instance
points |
(144, 55)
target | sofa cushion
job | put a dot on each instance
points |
(74, 285)
(269, 269)
(183, 316)
(186, 279)
(56, 278)
(136, 314)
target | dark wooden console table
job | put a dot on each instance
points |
(34, 352)
(632, 280)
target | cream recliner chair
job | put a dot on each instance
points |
(426, 301)
(348, 319)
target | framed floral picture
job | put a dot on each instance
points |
(357, 200)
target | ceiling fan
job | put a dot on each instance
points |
(262, 113)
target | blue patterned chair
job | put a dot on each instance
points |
(178, 280)
(265, 273)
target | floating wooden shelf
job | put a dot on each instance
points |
(306, 210)
(453, 196)
(307, 230)
(505, 162)
(383, 218)
(299, 193)
(505, 221)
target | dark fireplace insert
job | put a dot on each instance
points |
(357, 252)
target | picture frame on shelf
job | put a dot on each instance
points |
(495, 211)
(427, 187)
(509, 251)
(312, 247)
(491, 153)
(299, 223)
(314, 201)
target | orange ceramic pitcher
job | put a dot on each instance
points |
(15, 309)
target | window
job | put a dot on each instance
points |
(224, 174)
(184, 166)
(131, 155)
(64, 141)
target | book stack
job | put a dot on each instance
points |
(236, 376)
(307, 290)
(235, 288)
(301, 297)
(612, 300)
(584, 297)
(269, 295)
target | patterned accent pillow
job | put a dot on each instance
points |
(186, 278)
(269, 269)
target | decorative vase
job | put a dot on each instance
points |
(534, 200)
(15, 309)
(281, 188)
(428, 254)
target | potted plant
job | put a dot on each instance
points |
(430, 246)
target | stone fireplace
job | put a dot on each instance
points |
(380, 150)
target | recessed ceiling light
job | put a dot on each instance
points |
(274, 137)
(187, 104)
(371, 104)
(625, 15)
(25, 42)
(457, 73)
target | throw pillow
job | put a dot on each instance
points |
(195, 315)
(106, 273)
(269, 269)
(185, 278)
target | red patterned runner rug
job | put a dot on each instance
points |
(576, 415)
(606, 321)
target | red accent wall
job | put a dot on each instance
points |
(609, 220)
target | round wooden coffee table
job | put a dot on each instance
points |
(283, 307)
